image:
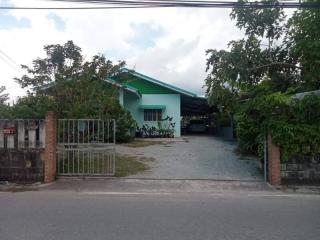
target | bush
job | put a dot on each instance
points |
(5, 111)
(32, 107)
(125, 124)
(292, 123)
(247, 131)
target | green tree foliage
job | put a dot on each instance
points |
(297, 131)
(261, 22)
(3, 96)
(231, 72)
(4, 108)
(72, 87)
(303, 41)
(255, 78)
(32, 107)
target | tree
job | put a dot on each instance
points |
(231, 73)
(253, 80)
(3, 96)
(4, 108)
(303, 42)
(77, 87)
(32, 106)
(267, 23)
(72, 87)
(234, 74)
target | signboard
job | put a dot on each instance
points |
(9, 130)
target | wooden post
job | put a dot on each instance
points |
(50, 147)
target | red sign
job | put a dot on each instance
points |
(9, 130)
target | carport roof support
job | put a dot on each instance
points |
(195, 106)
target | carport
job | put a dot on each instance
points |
(196, 108)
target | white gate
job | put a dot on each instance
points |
(86, 147)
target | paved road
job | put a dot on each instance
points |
(202, 157)
(100, 215)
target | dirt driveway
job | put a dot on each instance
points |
(195, 157)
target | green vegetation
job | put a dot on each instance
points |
(142, 143)
(4, 109)
(164, 129)
(129, 165)
(3, 96)
(253, 82)
(74, 88)
(125, 164)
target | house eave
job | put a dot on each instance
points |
(124, 87)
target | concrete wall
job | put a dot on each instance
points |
(171, 101)
(225, 132)
(301, 169)
(31, 161)
(297, 170)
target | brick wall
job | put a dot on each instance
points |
(274, 171)
(49, 155)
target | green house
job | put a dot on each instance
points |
(150, 100)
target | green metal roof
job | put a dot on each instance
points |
(153, 107)
(157, 82)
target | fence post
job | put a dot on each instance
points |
(50, 147)
(273, 163)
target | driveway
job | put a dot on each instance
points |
(194, 157)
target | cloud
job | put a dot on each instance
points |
(167, 44)
(145, 35)
(58, 22)
(8, 21)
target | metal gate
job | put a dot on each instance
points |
(86, 147)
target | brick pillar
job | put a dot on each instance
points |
(273, 163)
(50, 148)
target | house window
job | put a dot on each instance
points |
(152, 114)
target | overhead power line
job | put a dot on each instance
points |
(9, 61)
(9, 58)
(120, 4)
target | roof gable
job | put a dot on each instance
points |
(148, 85)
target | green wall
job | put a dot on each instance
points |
(146, 87)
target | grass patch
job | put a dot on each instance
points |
(147, 159)
(141, 143)
(129, 165)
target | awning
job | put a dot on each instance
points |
(152, 107)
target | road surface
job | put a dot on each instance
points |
(223, 215)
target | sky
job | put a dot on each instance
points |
(166, 44)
